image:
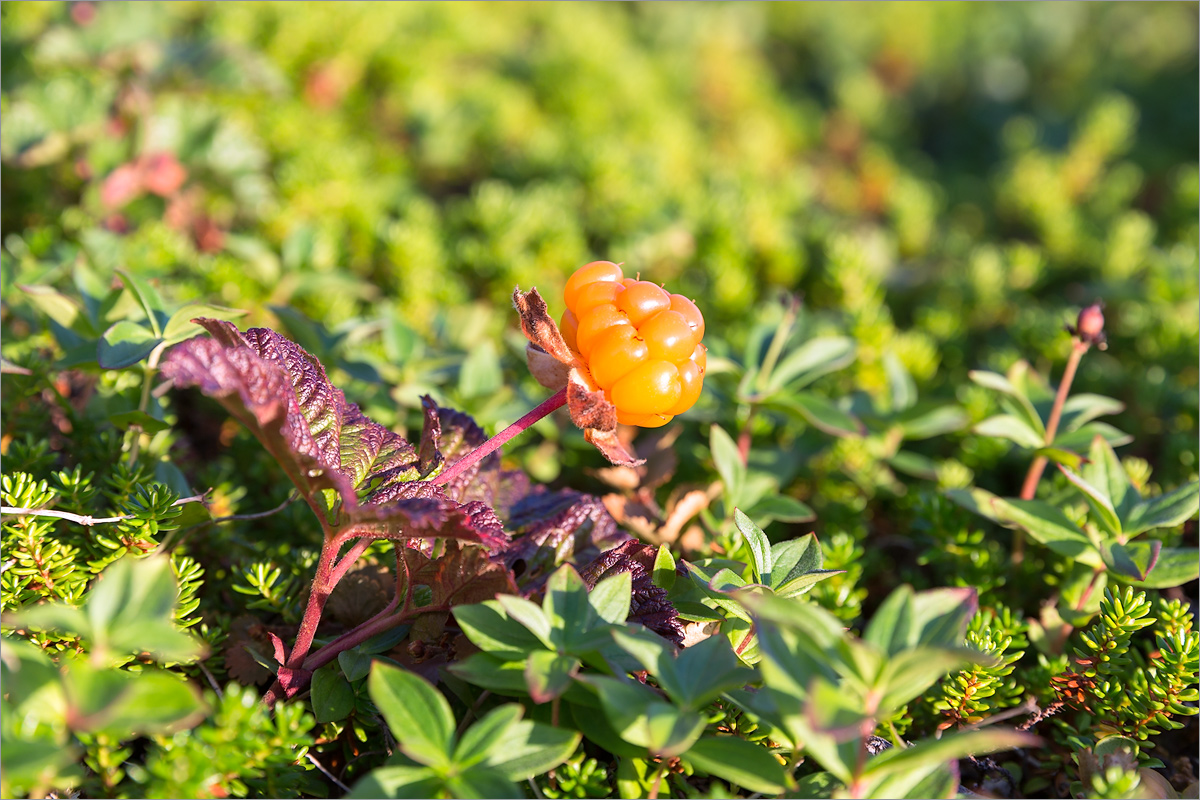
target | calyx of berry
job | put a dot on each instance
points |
(555, 365)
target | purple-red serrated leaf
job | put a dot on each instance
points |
(648, 603)
(429, 454)
(317, 420)
(464, 575)
(551, 529)
(259, 394)
(421, 510)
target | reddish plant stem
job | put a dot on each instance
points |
(316, 602)
(1029, 487)
(555, 402)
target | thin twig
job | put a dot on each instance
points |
(326, 772)
(211, 680)
(291, 498)
(86, 519)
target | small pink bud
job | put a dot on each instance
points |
(1090, 326)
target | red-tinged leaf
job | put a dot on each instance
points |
(551, 529)
(429, 455)
(648, 605)
(260, 396)
(284, 396)
(421, 510)
(464, 575)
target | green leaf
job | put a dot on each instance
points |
(932, 753)
(1042, 521)
(490, 629)
(1068, 458)
(783, 508)
(729, 464)
(936, 421)
(483, 736)
(398, 782)
(124, 344)
(1007, 426)
(892, 628)
(795, 557)
(810, 361)
(484, 783)
(736, 760)
(569, 610)
(612, 596)
(125, 705)
(549, 674)
(60, 308)
(801, 584)
(1098, 501)
(999, 383)
(180, 325)
(1133, 560)
(822, 414)
(530, 615)
(901, 386)
(1104, 471)
(909, 673)
(530, 748)
(147, 298)
(704, 671)
(34, 761)
(332, 696)
(1079, 409)
(129, 611)
(416, 713)
(941, 616)
(644, 720)
(490, 672)
(664, 568)
(147, 423)
(1165, 511)
(759, 544)
(1174, 566)
(915, 465)
(355, 664)
(1078, 440)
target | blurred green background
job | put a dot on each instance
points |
(944, 182)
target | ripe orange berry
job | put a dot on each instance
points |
(641, 344)
(689, 311)
(643, 420)
(595, 294)
(642, 300)
(669, 336)
(691, 379)
(615, 354)
(594, 323)
(568, 326)
(590, 273)
(651, 388)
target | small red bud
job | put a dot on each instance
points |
(1089, 327)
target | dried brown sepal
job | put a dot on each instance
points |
(589, 407)
(549, 371)
(611, 448)
(539, 327)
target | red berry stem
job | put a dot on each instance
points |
(553, 403)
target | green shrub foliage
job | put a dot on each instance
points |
(930, 529)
